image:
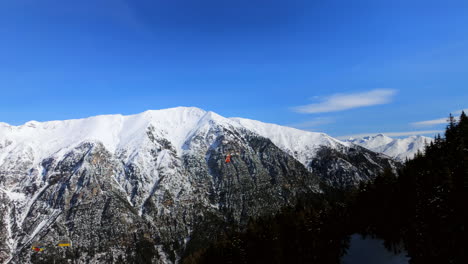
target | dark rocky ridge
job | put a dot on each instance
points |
(348, 166)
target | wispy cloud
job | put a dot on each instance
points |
(438, 121)
(393, 134)
(432, 122)
(340, 102)
(313, 123)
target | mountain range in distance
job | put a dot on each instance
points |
(398, 148)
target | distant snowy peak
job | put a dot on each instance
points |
(399, 149)
(371, 141)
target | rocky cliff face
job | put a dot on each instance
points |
(344, 166)
(138, 189)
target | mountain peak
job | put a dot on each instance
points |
(175, 110)
(400, 148)
(113, 131)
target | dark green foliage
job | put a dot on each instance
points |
(311, 232)
(425, 207)
(145, 251)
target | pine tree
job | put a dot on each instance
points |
(426, 204)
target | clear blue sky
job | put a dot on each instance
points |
(281, 61)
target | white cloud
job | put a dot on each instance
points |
(433, 122)
(339, 102)
(313, 123)
(393, 134)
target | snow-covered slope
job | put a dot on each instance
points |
(114, 131)
(32, 143)
(399, 149)
(302, 145)
(153, 177)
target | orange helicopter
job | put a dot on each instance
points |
(229, 157)
(229, 150)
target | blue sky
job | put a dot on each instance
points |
(340, 67)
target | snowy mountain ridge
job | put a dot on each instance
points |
(298, 143)
(176, 124)
(399, 149)
(114, 131)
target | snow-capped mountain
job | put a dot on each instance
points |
(141, 188)
(399, 149)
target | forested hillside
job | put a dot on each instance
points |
(422, 209)
(425, 207)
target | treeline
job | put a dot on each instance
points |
(422, 210)
(426, 206)
(311, 232)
